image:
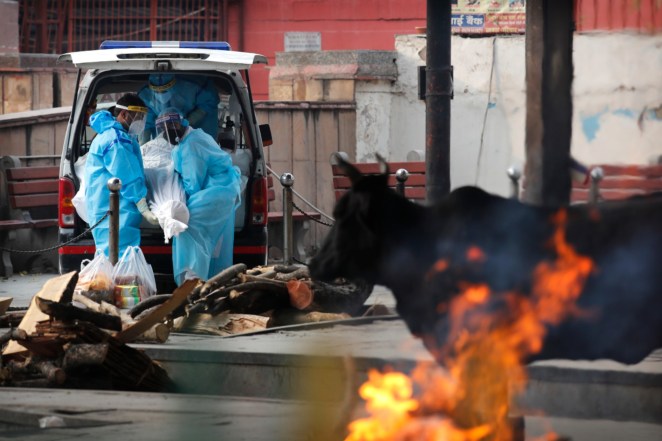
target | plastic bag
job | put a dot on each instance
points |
(167, 199)
(95, 279)
(133, 278)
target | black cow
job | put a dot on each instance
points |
(382, 238)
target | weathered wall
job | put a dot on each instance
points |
(23, 89)
(33, 133)
(344, 25)
(617, 93)
(9, 56)
(305, 135)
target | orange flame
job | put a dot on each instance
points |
(475, 254)
(483, 358)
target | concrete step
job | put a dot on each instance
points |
(307, 362)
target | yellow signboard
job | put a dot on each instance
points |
(488, 16)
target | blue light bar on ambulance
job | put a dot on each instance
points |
(119, 44)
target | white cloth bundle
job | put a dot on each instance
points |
(79, 199)
(166, 197)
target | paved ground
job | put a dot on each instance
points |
(112, 416)
(22, 287)
(262, 386)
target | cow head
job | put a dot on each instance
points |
(353, 247)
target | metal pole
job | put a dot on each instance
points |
(401, 175)
(287, 180)
(438, 94)
(549, 75)
(514, 174)
(594, 192)
(114, 185)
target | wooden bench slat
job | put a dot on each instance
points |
(30, 192)
(415, 193)
(412, 181)
(645, 171)
(30, 173)
(619, 183)
(34, 200)
(375, 168)
(44, 223)
(32, 187)
(14, 224)
(414, 185)
(608, 194)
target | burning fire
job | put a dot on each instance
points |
(483, 358)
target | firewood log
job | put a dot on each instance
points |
(299, 273)
(85, 355)
(11, 319)
(102, 308)
(69, 312)
(251, 283)
(222, 324)
(129, 368)
(220, 278)
(14, 334)
(257, 301)
(347, 298)
(54, 374)
(291, 316)
(286, 268)
(148, 303)
(59, 289)
(301, 296)
(158, 333)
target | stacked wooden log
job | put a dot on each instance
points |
(60, 344)
(239, 299)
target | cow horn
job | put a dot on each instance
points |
(383, 165)
(342, 160)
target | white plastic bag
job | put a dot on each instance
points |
(133, 278)
(167, 198)
(95, 279)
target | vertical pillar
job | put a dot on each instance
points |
(287, 180)
(438, 93)
(114, 185)
(549, 70)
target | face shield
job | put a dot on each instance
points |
(136, 118)
(170, 125)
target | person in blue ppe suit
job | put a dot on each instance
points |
(114, 152)
(195, 98)
(212, 186)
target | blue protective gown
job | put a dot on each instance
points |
(114, 153)
(198, 103)
(212, 186)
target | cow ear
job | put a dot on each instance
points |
(342, 161)
(383, 165)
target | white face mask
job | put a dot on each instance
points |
(163, 97)
(137, 127)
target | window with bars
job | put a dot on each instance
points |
(59, 26)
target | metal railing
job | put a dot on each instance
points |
(58, 26)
